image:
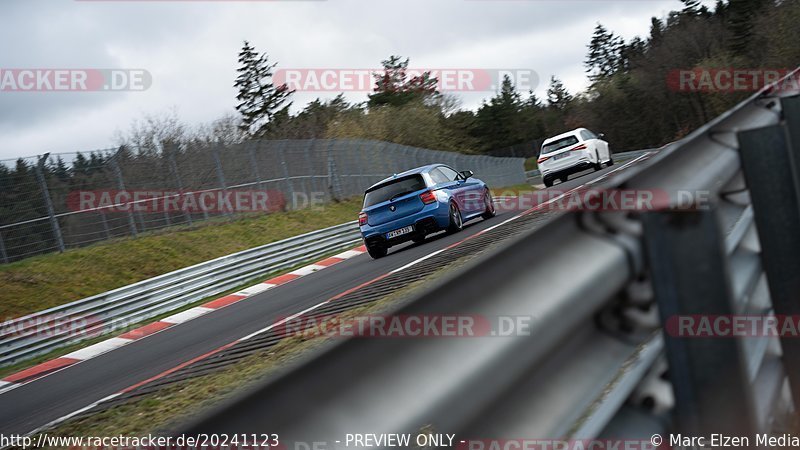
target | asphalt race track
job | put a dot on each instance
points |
(33, 405)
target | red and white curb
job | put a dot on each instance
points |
(46, 368)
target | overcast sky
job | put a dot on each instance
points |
(190, 50)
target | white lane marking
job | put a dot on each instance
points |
(348, 254)
(605, 175)
(7, 386)
(417, 261)
(98, 349)
(187, 315)
(303, 271)
(565, 193)
(55, 422)
(282, 321)
(255, 289)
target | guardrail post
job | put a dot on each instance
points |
(768, 165)
(690, 277)
(49, 203)
(121, 187)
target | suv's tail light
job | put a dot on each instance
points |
(427, 197)
(580, 147)
(362, 219)
(542, 159)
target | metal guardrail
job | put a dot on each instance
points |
(120, 308)
(597, 363)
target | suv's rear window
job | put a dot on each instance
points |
(559, 144)
(393, 188)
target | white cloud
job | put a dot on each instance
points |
(190, 49)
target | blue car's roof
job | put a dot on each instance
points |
(422, 169)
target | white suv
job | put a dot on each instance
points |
(571, 152)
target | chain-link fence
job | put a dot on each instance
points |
(56, 202)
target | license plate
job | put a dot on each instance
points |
(400, 232)
(561, 156)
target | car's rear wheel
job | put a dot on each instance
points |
(377, 251)
(610, 161)
(599, 165)
(490, 209)
(418, 239)
(456, 222)
(548, 182)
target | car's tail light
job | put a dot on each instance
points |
(427, 197)
(362, 219)
(542, 159)
(580, 147)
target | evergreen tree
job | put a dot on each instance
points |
(604, 54)
(691, 7)
(498, 121)
(260, 100)
(393, 88)
(557, 95)
(61, 170)
(656, 31)
(741, 23)
(81, 165)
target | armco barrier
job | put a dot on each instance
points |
(599, 361)
(57, 327)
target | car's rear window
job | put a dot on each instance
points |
(393, 188)
(559, 144)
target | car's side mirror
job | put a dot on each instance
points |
(465, 174)
(601, 135)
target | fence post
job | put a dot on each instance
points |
(49, 203)
(220, 174)
(121, 187)
(686, 257)
(3, 253)
(106, 230)
(173, 166)
(386, 154)
(286, 178)
(358, 181)
(251, 153)
(395, 152)
(332, 175)
(312, 177)
(768, 167)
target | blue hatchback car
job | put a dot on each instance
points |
(418, 202)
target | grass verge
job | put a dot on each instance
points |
(531, 163)
(512, 190)
(50, 280)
